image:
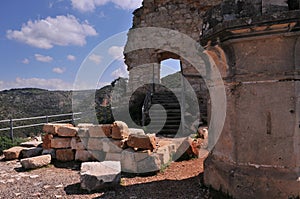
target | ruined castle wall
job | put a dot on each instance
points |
(184, 16)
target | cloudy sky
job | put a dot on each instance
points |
(43, 43)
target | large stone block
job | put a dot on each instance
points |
(31, 152)
(107, 129)
(146, 142)
(13, 153)
(136, 131)
(77, 144)
(164, 154)
(98, 175)
(83, 132)
(98, 155)
(83, 156)
(61, 143)
(120, 130)
(111, 145)
(95, 144)
(139, 162)
(65, 155)
(47, 141)
(53, 128)
(67, 131)
(113, 157)
(36, 162)
(49, 151)
(96, 131)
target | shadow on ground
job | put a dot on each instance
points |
(187, 188)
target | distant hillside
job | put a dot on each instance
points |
(172, 80)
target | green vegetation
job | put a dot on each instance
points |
(6, 143)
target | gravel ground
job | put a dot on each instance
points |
(179, 180)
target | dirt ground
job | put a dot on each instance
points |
(61, 180)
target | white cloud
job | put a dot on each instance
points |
(51, 84)
(71, 57)
(95, 58)
(25, 61)
(116, 52)
(43, 58)
(59, 70)
(45, 33)
(90, 5)
(120, 72)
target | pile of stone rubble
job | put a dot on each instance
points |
(105, 150)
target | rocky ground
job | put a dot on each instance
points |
(179, 180)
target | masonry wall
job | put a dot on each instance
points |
(184, 16)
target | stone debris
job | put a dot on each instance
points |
(33, 143)
(65, 155)
(36, 162)
(67, 131)
(53, 128)
(98, 175)
(31, 152)
(13, 153)
(120, 130)
(136, 131)
(145, 142)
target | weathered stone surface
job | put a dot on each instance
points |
(36, 162)
(107, 129)
(142, 141)
(164, 154)
(136, 131)
(95, 144)
(33, 143)
(113, 157)
(49, 151)
(83, 156)
(65, 155)
(61, 143)
(99, 175)
(47, 141)
(67, 131)
(13, 153)
(97, 131)
(77, 144)
(52, 128)
(139, 162)
(31, 152)
(120, 130)
(111, 145)
(83, 132)
(98, 155)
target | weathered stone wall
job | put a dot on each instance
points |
(257, 154)
(184, 16)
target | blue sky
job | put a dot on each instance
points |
(43, 43)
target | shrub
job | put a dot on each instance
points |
(6, 143)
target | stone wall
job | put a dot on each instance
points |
(184, 16)
(257, 154)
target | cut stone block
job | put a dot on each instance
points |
(111, 145)
(98, 155)
(49, 151)
(83, 132)
(83, 156)
(47, 141)
(107, 129)
(65, 155)
(31, 152)
(67, 131)
(96, 131)
(95, 144)
(139, 162)
(77, 144)
(36, 162)
(13, 153)
(33, 143)
(61, 143)
(120, 130)
(142, 141)
(52, 128)
(113, 157)
(164, 154)
(98, 175)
